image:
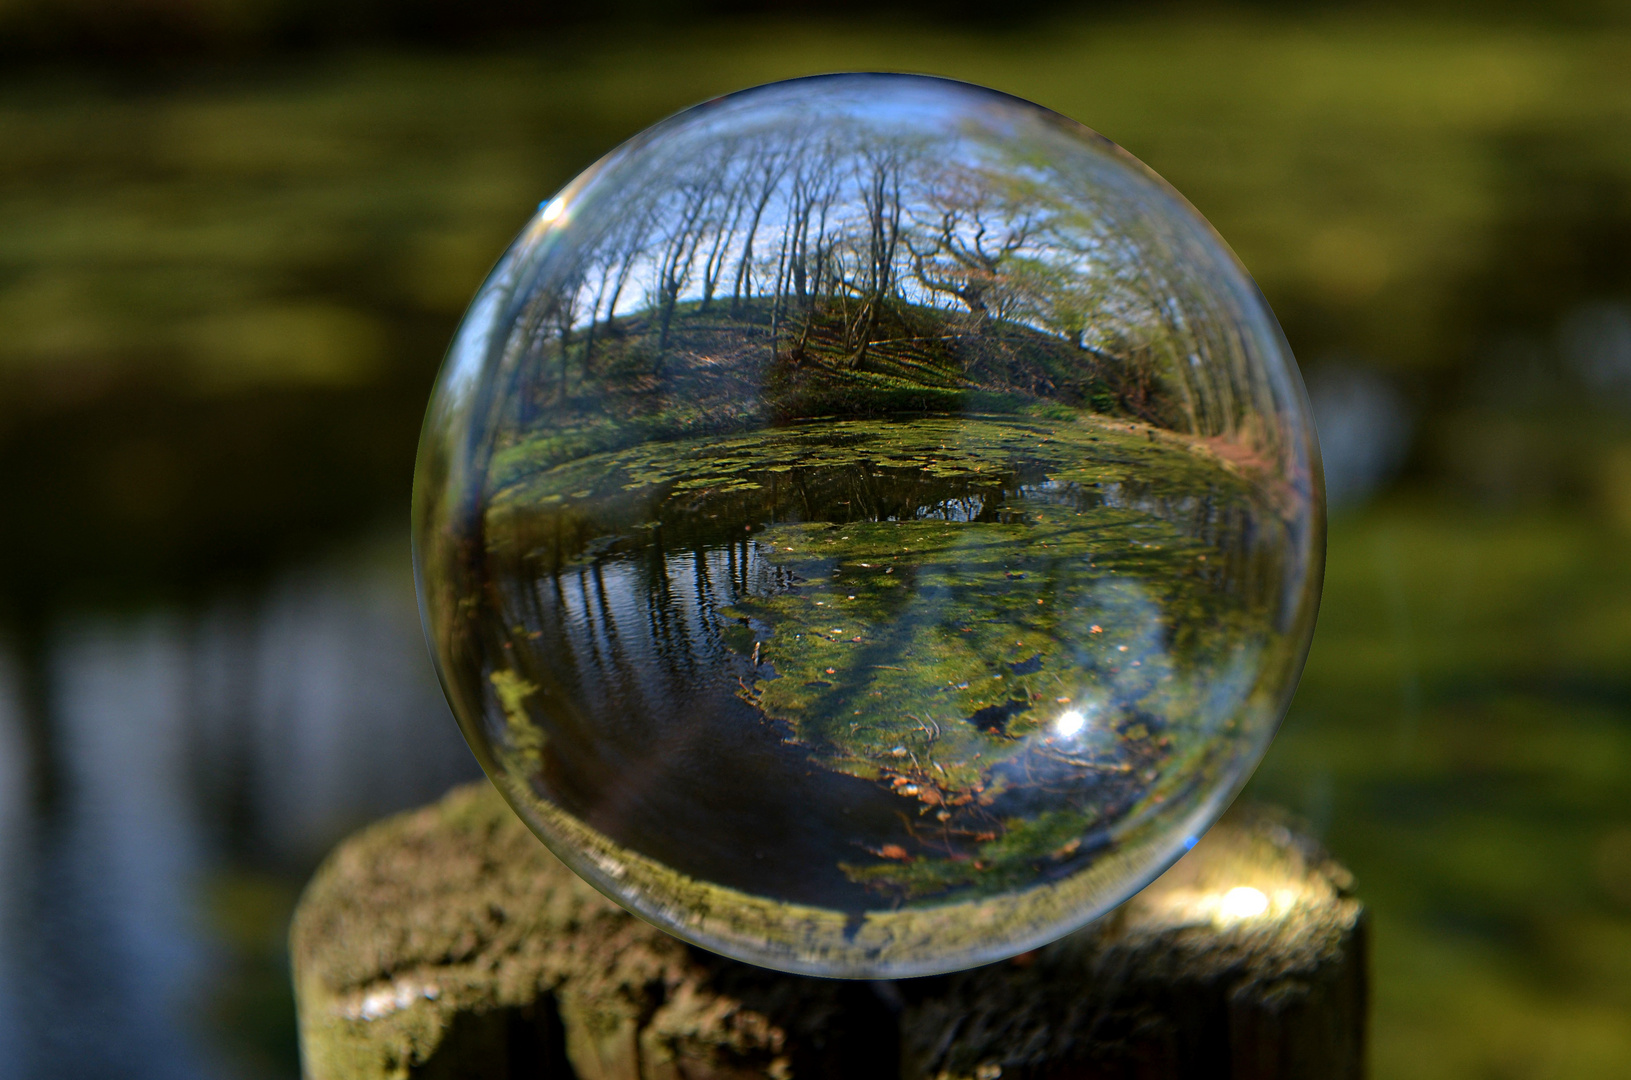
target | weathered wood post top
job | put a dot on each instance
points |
(448, 942)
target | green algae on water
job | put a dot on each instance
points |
(961, 612)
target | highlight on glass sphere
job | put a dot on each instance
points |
(869, 525)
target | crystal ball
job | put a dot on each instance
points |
(868, 525)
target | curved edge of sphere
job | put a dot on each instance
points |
(1234, 394)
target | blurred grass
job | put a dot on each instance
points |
(251, 227)
(224, 292)
(1461, 738)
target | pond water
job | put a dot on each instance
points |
(871, 665)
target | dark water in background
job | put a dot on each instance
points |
(208, 756)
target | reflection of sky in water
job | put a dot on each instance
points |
(251, 734)
(610, 612)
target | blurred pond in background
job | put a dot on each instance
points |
(225, 285)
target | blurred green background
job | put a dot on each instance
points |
(235, 236)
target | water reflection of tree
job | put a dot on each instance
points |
(678, 562)
(645, 617)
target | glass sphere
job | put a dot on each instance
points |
(868, 525)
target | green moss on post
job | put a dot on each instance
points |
(448, 942)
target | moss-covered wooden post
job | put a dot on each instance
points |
(448, 942)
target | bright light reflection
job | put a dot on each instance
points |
(1070, 723)
(553, 209)
(1243, 902)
